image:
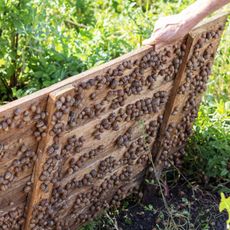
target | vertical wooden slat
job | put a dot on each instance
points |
(43, 155)
(156, 150)
(174, 99)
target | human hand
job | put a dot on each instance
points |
(168, 30)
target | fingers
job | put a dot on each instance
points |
(161, 23)
(155, 38)
(151, 42)
(158, 45)
(167, 30)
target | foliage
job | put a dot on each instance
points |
(225, 204)
(43, 42)
(209, 147)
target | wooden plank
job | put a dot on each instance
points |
(14, 196)
(177, 100)
(169, 107)
(69, 81)
(127, 188)
(43, 155)
(218, 18)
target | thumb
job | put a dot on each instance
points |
(149, 41)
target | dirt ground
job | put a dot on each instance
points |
(185, 207)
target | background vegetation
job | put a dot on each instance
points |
(43, 42)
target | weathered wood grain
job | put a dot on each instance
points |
(179, 100)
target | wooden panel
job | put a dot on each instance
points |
(187, 94)
(109, 130)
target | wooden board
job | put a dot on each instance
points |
(71, 150)
(187, 93)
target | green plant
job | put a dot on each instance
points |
(149, 207)
(225, 205)
(208, 151)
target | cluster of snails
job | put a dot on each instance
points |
(196, 83)
(169, 141)
(81, 200)
(177, 157)
(191, 102)
(79, 219)
(143, 159)
(134, 82)
(97, 206)
(49, 168)
(28, 187)
(75, 164)
(93, 199)
(49, 172)
(146, 106)
(199, 65)
(152, 127)
(62, 106)
(126, 174)
(108, 80)
(118, 196)
(14, 121)
(176, 135)
(122, 192)
(13, 219)
(208, 36)
(169, 73)
(20, 119)
(123, 140)
(91, 112)
(135, 150)
(199, 82)
(72, 146)
(119, 99)
(84, 199)
(132, 111)
(40, 118)
(25, 161)
(43, 217)
(87, 156)
(106, 166)
(197, 71)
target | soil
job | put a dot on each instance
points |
(186, 207)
